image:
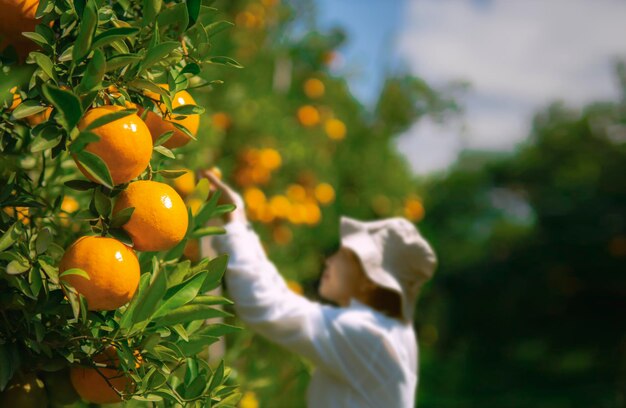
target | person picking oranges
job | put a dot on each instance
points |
(364, 347)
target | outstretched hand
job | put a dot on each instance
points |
(227, 196)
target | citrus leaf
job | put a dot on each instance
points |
(164, 151)
(224, 61)
(45, 63)
(75, 271)
(103, 204)
(92, 79)
(121, 236)
(180, 294)
(87, 29)
(110, 117)
(217, 27)
(43, 240)
(66, 103)
(176, 15)
(193, 9)
(83, 139)
(151, 297)
(95, 167)
(18, 266)
(157, 53)
(164, 138)
(188, 110)
(217, 267)
(80, 185)
(122, 217)
(126, 320)
(119, 61)
(201, 232)
(27, 108)
(189, 313)
(9, 237)
(118, 33)
(37, 38)
(151, 9)
(46, 140)
(172, 173)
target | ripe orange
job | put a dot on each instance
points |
(40, 117)
(125, 145)
(185, 184)
(92, 387)
(24, 391)
(221, 121)
(308, 115)
(314, 88)
(335, 129)
(21, 213)
(112, 267)
(158, 125)
(160, 218)
(18, 16)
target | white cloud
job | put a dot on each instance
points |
(518, 56)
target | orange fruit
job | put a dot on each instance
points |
(17, 98)
(185, 184)
(92, 387)
(325, 193)
(308, 115)
(160, 218)
(158, 125)
(18, 16)
(413, 209)
(21, 213)
(314, 88)
(221, 120)
(112, 267)
(335, 129)
(125, 144)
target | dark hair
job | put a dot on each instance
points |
(386, 301)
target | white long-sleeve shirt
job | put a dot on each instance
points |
(362, 357)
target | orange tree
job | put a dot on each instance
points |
(94, 286)
(302, 150)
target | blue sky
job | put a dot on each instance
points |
(518, 56)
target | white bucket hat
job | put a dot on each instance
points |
(394, 255)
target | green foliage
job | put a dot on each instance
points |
(93, 53)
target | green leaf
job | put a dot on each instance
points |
(27, 108)
(206, 212)
(181, 294)
(180, 330)
(80, 185)
(66, 103)
(189, 313)
(46, 65)
(103, 204)
(176, 15)
(43, 240)
(48, 138)
(158, 53)
(96, 168)
(217, 27)
(117, 33)
(201, 232)
(51, 271)
(119, 61)
(193, 9)
(188, 110)
(218, 376)
(191, 68)
(18, 266)
(9, 237)
(217, 267)
(146, 305)
(122, 236)
(126, 320)
(37, 38)
(86, 31)
(171, 173)
(224, 61)
(110, 117)
(83, 139)
(121, 217)
(184, 130)
(92, 78)
(164, 138)
(164, 151)
(151, 9)
(75, 271)
(211, 300)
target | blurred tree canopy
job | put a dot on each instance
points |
(527, 306)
